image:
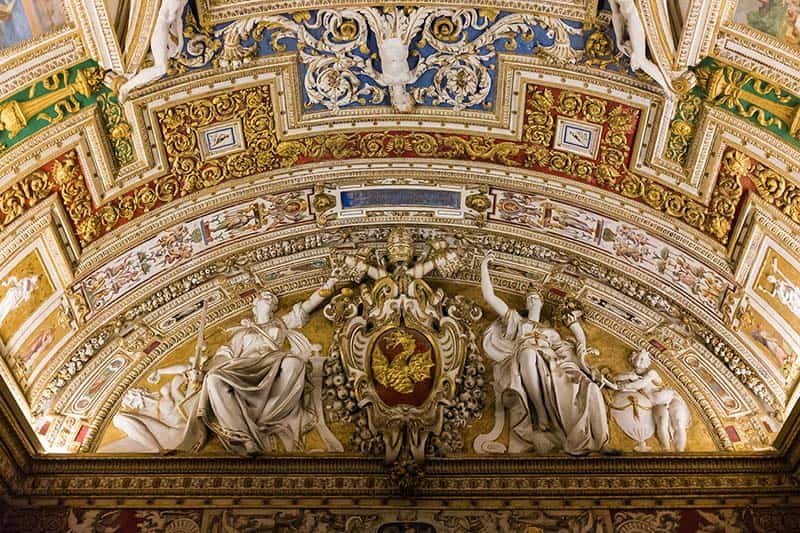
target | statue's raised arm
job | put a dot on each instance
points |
(253, 390)
(487, 289)
(299, 315)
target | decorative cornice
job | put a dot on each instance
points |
(519, 476)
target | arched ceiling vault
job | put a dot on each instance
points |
(276, 144)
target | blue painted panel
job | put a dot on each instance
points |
(425, 61)
(370, 198)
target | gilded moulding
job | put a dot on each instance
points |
(212, 12)
(263, 151)
(750, 96)
(59, 95)
(62, 176)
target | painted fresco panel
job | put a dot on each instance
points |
(768, 340)
(185, 241)
(98, 384)
(21, 20)
(617, 238)
(778, 18)
(716, 385)
(47, 335)
(22, 291)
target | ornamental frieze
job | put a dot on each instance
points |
(189, 240)
(391, 518)
(574, 136)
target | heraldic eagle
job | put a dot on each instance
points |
(407, 367)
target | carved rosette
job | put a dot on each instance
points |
(402, 347)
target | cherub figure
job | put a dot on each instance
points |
(670, 413)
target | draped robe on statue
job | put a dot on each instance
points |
(250, 392)
(534, 362)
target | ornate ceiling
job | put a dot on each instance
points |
(159, 177)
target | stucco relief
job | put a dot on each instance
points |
(180, 244)
(261, 387)
(388, 367)
(614, 237)
(642, 405)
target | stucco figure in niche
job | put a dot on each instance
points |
(632, 42)
(783, 289)
(642, 405)
(254, 387)
(18, 290)
(165, 43)
(156, 421)
(554, 398)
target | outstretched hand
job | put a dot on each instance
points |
(327, 288)
(488, 259)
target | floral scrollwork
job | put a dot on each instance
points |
(454, 50)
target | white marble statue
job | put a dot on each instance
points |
(783, 289)
(157, 421)
(642, 405)
(631, 41)
(165, 42)
(554, 398)
(254, 385)
(19, 291)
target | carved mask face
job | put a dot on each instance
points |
(394, 57)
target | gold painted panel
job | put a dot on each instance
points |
(23, 289)
(42, 340)
(778, 284)
(770, 343)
